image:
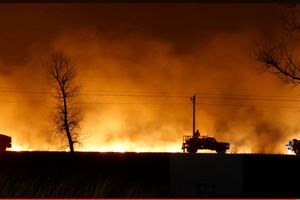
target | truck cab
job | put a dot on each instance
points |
(5, 142)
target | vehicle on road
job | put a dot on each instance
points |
(191, 144)
(294, 145)
(5, 142)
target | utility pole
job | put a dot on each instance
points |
(194, 110)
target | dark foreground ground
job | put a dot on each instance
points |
(148, 175)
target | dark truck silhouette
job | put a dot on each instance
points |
(192, 143)
(294, 145)
(5, 142)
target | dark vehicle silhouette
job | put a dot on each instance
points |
(5, 142)
(294, 145)
(192, 143)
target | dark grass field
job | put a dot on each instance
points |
(147, 175)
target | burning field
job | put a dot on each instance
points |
(137, 72)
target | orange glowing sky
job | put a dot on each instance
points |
(125, 51)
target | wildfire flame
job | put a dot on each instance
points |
(131, 147)
(135, 146)
(123, 147)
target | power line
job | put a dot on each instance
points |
(160, 103)
(201, 104)
(211, 96)
(42, 90)
(136, 95)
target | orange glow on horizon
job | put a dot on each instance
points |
(130, 147)
(120, 146)
(127, 147)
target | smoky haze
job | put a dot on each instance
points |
(138, 66)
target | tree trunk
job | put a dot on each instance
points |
(69, 136)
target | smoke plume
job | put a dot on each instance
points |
(137, 84)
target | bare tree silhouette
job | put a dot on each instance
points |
(280, 58)
(61, 72)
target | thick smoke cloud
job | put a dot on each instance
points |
(156, 57)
